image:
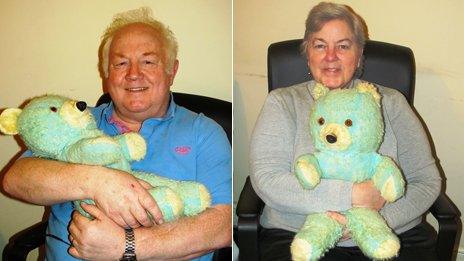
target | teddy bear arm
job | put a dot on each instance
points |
(133, 145)
(307, 171)
(388, 179)
(101, 151)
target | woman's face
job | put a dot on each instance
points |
(333, 54)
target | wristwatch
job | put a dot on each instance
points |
(129, 251)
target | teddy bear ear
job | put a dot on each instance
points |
(319, 91)
(9, 121)
(365, 87)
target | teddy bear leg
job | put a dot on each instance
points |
(195, 197)
(318, 234)
(371, 233)
(168, 202)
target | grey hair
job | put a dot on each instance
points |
(325, 12)
(142, 15)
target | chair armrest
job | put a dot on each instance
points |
(443, 208)
(449, 226)
(249, 209)
(249, 204)
(24, 241)
(223, 254)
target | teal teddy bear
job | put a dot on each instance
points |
(347, 129)
(55, 127)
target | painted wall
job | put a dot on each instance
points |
(51, 47)
(432, 29)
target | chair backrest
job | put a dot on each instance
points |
(386, 64)
(218, 110)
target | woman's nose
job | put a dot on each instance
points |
(331, 54)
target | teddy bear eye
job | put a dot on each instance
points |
(349, 123)
(321, 121)
(53, 109)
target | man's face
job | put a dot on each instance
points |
(137, 79)
(333, 55)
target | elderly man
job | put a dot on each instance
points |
(139, 65)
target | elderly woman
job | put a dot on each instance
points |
(333, 43)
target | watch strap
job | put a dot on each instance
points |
(129, 251)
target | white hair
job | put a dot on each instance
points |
(142, 15)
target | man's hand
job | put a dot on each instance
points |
(98, 239)
(366, 195)
(124, 199)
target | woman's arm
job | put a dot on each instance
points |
(423, 182)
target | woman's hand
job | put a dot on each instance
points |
(342, 220)
(98, 239)
(366, 195)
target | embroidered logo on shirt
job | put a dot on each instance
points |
(183, 150)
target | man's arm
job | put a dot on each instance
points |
(47, 182)
(183, 239)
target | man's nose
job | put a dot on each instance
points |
(134, 72)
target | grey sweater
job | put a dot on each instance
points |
(281, 135)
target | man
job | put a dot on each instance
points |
(138, 65)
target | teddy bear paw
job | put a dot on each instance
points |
(136, 145)
(307, 174)
(389, 191)
(301, 250)
(387, 249)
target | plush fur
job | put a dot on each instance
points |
(347, 129)
(59, 128)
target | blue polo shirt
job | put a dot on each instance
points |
(183, 145)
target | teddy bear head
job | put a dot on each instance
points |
(348, 120)
(49, 123)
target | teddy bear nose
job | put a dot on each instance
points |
(81, 105)
(331, 138)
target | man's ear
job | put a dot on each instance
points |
(9, 121)
(173, 73)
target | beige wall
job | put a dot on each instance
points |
(433, 29)
(51, 47)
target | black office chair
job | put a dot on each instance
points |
(33, 237)
(385, 64)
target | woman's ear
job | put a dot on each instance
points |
(360, 57)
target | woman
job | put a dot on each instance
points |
(333, 44)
